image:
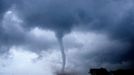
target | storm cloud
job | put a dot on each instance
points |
(26, 22)
(113, 18)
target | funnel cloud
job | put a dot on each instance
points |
(63, 53)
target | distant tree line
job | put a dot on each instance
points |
(103, 71)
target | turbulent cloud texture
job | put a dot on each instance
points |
(115, 18)
(98, 32)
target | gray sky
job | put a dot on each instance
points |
(95, 34)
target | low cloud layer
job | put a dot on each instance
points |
(82, 55)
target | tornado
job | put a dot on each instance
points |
(63, 54)
(60, 40)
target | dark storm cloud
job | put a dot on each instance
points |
(6, 38)
(12, 33)
(111, 17)
(59, 16)
(5, 5)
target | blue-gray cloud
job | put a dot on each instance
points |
(113, 18)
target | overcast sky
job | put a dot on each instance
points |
(94, 33)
